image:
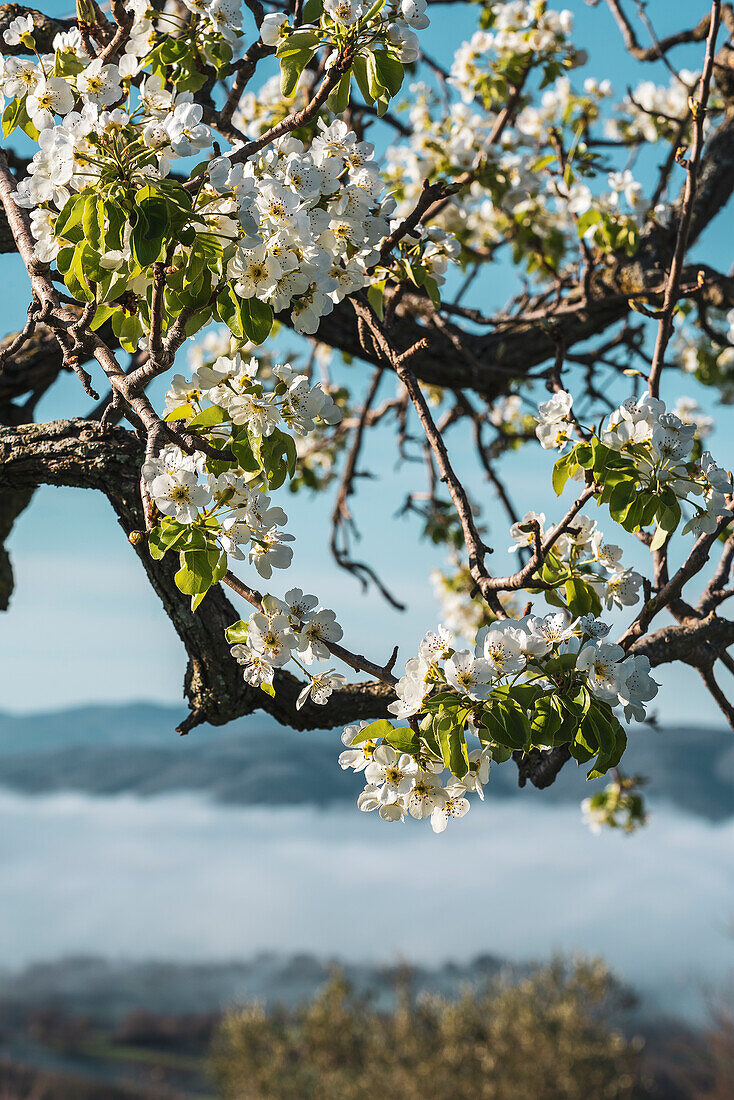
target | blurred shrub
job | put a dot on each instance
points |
(550, 1036)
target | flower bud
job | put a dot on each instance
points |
(85, 12)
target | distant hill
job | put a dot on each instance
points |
(134, 748)
(108, 989)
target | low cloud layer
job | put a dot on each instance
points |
(178, 878)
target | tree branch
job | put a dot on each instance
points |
(82, 454)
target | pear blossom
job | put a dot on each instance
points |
(502, 650)
(186, 132)
(268, 552)
(345, 12)
(100, 84)
(256, 669)
(636, 686)
(369, 800)
(622, 588)
(358, 757)
(179, 494)
(320, 629)
(260, 415)
(601, 661)
(470, 675)
(272, 637)
(50, 96)
(522, 538)
(18, 29)
(555, 425)
(477, 777)
(300, 607)
(454, 805)
(426, 795)
(272, 28)
(319, 688)
(391, 772)
(256, 272)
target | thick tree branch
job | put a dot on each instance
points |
(82, 454)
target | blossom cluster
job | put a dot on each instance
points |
(618, 806)
(519, 193)
(653, 111)
(232, 504)
(515, 648)
(577, 551)
(527, 33)
(348, 20)
(660, 446)
(312, 220)
(294, 628)
(297, 226)
(541, 654)
(398, 784)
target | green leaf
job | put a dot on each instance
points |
(668, 517)
(12, 115)
(208, 418)
(152, 226)
(621, 499)
(403, 739)
(200, 569)
(237, 632)
(376, 298)
(374, 84)
(114, 226)
(431, 288)
(102, 314)
(359, 69)
(242, 448)
(507, 723)
(585, 744)
(76, 277)
(545, 721)
(278, 455)
(291, 67)
(165, 536)
(93, 220)
(16, 114)
(227, 309)
(610, 736)
(301, 39)
(70, 215)
(389, 71)
(338, 100)
(256, 318)
(376, 730)
(144, 247)
(197, 321)
(453, 746)
(579, 596)
(577, 706)
(250, 318)
(562, 470)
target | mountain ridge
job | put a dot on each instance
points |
(133, 748)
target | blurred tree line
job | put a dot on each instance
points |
(551, 1035)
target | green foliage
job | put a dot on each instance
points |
(247, 319)
(632, 503)
(201, 561)
(515, 718)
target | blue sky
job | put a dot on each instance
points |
(85, 626)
